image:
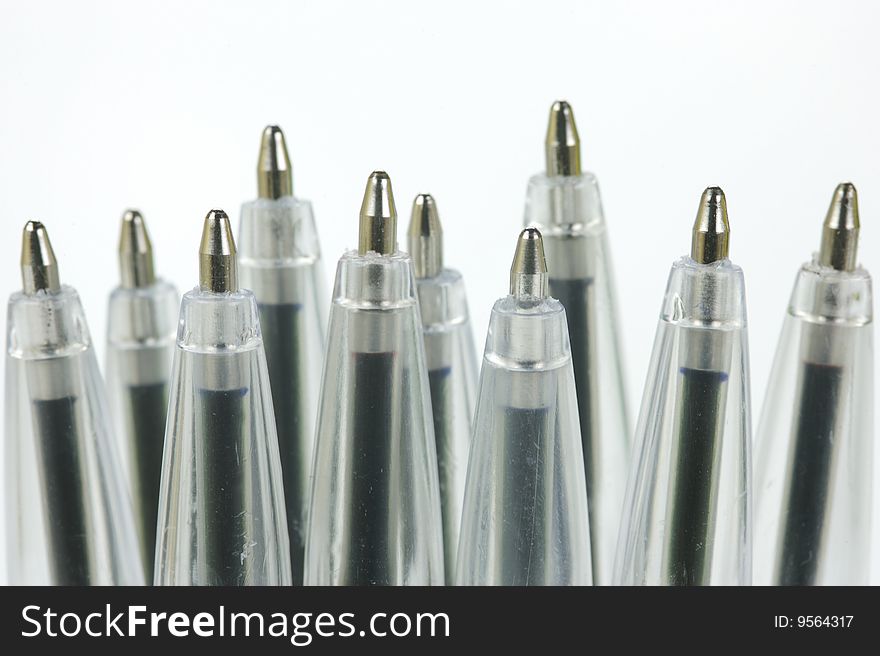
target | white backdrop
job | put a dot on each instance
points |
(160, 105)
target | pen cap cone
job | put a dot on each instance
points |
(687, 519)
(39, 268)
(528, 273)
(135, 252)
(218, 269)
(274, 172)
(378, 217)
(711, 235)
(563, 145)
(425, 237)
(840, 231)
(221, 518)
(525, 514)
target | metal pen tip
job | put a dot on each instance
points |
(218, 269)
(425, 237)
(378, 219)
(563, 145)
(711, 236)
(528, 273)
(840, 232)
(39, 268)
(274, 172)
(135, 252)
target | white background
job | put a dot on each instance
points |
(160, 105)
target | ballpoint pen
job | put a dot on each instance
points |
(141, 327)
(687, 515)
(69, 519)
(279, 260)
(452, 366)
(525, 518)
(564, 203)
(814, 463)
(221, 511)
(375, 513)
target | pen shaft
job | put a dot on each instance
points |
(57, 424)
(373, 426)
(283, 337)
(699, 421)
(819, 394)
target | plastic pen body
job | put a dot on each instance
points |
(375, 517)
(815, 438)
(279, 261)
(70, 519)
(142, 323)
(452, 374)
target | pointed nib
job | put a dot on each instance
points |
(378, 225)
(840, 232)
(563, 146)
(711, 235)
(425, 237)
(135, 252)
(39, 268)
(528, 273)
(274, 172)
(218, 269)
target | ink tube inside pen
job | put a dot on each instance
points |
(68, 510)
(687, 516)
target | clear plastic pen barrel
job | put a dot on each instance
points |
(525, 517)
(565, 204)
(141, 329)
(279, 260)
(687, 516)
(140, 342)
(452, 374)
(452, 365)
(814, 466)
(68, 512)
(375, 513)
(222, 519)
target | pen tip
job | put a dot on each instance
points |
(39, 268)
(528, 273)
(425, 237)
(135, 252)
(563, 145)
(274, 172)
(840, 231)
(218, 269)
(378, 217)
(710, 241)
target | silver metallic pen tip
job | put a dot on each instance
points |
(425, 237)
(711, 235)
(840, 232)
(274, 172)
(378, 224)
(528, 273)
(218, 269)
(39, 268)
(563, 145)
(135, 252)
